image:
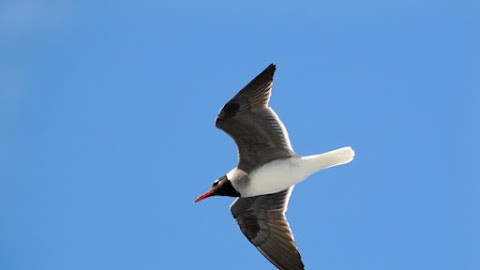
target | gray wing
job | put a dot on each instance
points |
(256, 129)
(262, 220)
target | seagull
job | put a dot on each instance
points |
(267, 170)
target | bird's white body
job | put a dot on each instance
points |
(281, 174)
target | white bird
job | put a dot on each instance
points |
(267, 170)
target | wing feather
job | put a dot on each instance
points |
(262, 220)
(259, 134)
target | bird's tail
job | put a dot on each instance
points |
(333, 158)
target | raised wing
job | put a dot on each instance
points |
(256, 129)
(262, 220)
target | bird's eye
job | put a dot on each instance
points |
(216, 182)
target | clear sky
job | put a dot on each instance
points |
(107, 131)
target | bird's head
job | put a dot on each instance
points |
(221, 187)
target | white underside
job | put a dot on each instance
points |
(278, 175)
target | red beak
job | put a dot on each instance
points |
(204, 196)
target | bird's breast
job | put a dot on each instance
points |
(273, 177)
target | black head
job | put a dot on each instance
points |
(221, 187)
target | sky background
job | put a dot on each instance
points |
(107, 131)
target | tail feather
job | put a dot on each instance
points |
(330, 159)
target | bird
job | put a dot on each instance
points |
(267, 170)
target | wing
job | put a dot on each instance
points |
(256, 129)
(262, 220)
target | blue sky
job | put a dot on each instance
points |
(107, 135)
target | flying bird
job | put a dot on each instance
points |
(267, 170)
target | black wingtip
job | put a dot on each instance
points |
(267, 73)
(272, 67)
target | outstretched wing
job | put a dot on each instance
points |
(262, 220)
(256, 129)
